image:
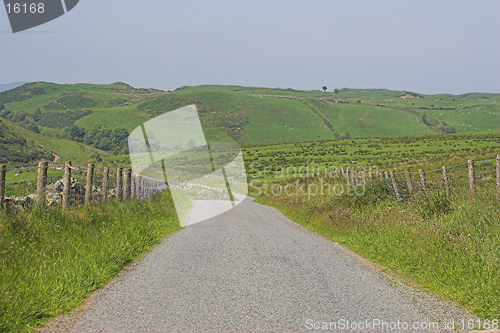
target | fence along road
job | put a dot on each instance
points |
(100, 183)
(250, 269)
(405, 184)
(70, 184)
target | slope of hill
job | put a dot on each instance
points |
(14, 148)
(19, 146)
(250, 115)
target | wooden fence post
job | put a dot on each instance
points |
(363, 177)
(3, 173)
(137, 187)
(472, 176)
(381, 176)
(347, 175)
(128, 184)
(133, 187)
(422, 179)
(105, 184)
(408, 182)
(445, 178)
(88, 188)
(370, 174)
(41, 182)
(498, 176)
(119, 184)
(66, 184)
(395, 186)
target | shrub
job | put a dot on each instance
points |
(375, 191)
(32, 126)
(432, 203)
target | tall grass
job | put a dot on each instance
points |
(447, 244)
(50, 259)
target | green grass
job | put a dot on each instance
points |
(50, 259)
(127, 117)
(14, 147)
(448, 245)
(397, 153)
(38, 146)
(362, 121)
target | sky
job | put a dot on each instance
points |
(443, 46)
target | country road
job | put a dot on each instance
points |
(248, 270)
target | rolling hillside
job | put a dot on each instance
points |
(248, 115)
(19, 146)
(15, 148)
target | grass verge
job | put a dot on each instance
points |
(446, 244)
(50, 259)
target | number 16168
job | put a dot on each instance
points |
(25, 8)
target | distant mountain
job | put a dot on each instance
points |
(9, 86)
(247, 115)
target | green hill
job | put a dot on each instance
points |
(247, 115)
(15, 148)
(19, 146)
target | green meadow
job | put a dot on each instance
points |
(394, 153)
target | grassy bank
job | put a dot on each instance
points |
(447, 244)
(50, 259)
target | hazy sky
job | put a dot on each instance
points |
(423, 46)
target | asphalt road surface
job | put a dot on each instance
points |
(248, 270)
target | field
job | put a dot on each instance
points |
(393, 153)
(250, 115)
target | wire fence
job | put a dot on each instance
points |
(72, 185)
(404, 184)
